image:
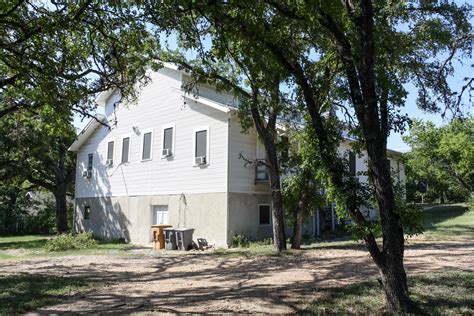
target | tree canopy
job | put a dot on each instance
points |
(443, 157)
(64, 53)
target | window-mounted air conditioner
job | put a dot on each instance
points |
(200, 160)
(166, 152)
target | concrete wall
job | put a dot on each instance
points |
(131, 217)
(243, 215)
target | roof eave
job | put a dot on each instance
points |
(86, 132)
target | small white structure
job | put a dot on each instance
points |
(172, 158)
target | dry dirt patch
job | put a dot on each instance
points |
(204, 282)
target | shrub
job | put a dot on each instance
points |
(240, 240)
(70, 241)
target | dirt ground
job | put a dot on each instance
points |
(205, 282)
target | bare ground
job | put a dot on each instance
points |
(205, 282)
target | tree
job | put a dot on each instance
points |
(442, 156)
(52, 53)
(356, 55)
(34, 150)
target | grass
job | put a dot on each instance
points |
(433, 293)
(25, 247)
(23, 242)
(20, 293)
(449, 222)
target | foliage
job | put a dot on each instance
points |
(69, 241)
(64, 53)
(433, 293)
(34, 153)
(20, 293)
(240, 240)
(443, 158)
(13, 202)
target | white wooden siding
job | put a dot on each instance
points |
(241, 177)
(158, 104)
(208, 92)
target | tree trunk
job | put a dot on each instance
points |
(267, 134)
(61, 212)
(279, 237)
(390, 261)
(297, 228)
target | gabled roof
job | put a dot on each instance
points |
(86, 132)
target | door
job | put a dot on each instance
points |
(160, 214)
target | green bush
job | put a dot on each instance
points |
(240, 240)
(68, 241)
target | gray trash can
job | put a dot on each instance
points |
(170, 239)
(184, 238)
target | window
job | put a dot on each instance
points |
(87, 212)
(90, 158)
(110, 153)
(146, 146)
(352, 164)
(261, 171)
(264, 215)
(387, 162)
(125, 149)
(201, 146)
(168, 141)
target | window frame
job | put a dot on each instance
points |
(146, 131)
(91, 166)
(269, 214)
(200, 129)
(87, 212)
(129, 148)
(173, 140)
(107, 142)
(352, 155)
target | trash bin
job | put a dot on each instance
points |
(158, 235)
(170, 239)
(184, 238)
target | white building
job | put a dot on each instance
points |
(171, 158)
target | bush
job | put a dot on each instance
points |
(69, 241)
(240, 240)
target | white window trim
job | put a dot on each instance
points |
(129, 136)
(270, 209)
(143, 132)
(107, 141)
(199, 129)
(166, 126)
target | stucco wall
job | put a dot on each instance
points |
(243, 215)
(131, 217)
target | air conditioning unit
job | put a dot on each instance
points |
(166, 152)
(109, 162)
(200, 160)
(87, 174)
